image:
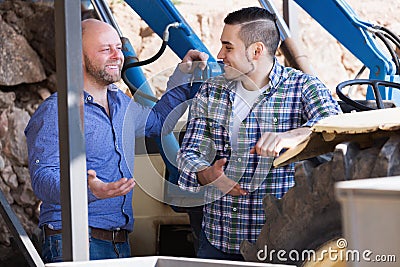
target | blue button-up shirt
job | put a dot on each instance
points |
(110, 144)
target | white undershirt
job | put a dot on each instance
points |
(242, 104)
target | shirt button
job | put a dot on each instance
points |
(234, 209)
(239, 159)
(275, 119)
(89, 98)
(37, 161)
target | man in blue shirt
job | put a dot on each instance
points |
(107, 113)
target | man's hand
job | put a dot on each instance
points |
(193, 59)
(107, 190)
(270, 144)
(215, 175)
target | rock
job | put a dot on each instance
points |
(26, 66)
(52, 82)
(6, 99)
(3, 124)
(15, 146)
(9, 177)
(42, 37)
(36, 23)
(22, 174)
(24, 196)
(2, 163)
(6, 192)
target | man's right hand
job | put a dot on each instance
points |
(193, 59)
(215, 175)
(102, 190)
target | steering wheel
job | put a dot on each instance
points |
(375, 86)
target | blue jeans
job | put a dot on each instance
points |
(208, 251)
(98, 249)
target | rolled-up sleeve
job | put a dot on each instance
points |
(193, 155)
(43, 152)
(318, 102)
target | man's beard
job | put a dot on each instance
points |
(239, 75)
(101, 75)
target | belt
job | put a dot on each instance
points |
(50, 232)
(118, 236)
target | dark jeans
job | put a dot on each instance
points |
(208, 251)
(98, 249)
(196, 218)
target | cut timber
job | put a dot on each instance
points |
(362, 127)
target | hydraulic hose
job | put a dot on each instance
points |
(390, 49)
(132, 62)
(385, 34)
(159, 53)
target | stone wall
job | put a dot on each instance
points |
(27, 75)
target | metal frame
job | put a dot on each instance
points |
(290, 16)
(71, 139)
(17, 230)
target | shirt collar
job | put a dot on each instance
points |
(277, 74)
(112, 88)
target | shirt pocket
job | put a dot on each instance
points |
(277, 119)
(273, 123)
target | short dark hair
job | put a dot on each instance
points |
(258, 25)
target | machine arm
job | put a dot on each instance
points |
(158, 14)
(340, 20)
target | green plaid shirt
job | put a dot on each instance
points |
(294, 100)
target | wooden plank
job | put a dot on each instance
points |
(360, 122)
(361, 127)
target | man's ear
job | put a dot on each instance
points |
(258, 49)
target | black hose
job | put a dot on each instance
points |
(137, 63)
(394, 40)
(391, 51)
(385, 35)
(360, 72)
(393, 35)
(132, 88)
(147, 61)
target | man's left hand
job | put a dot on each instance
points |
(271, 143)
(103, 190)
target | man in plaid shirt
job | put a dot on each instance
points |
(239, 122)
